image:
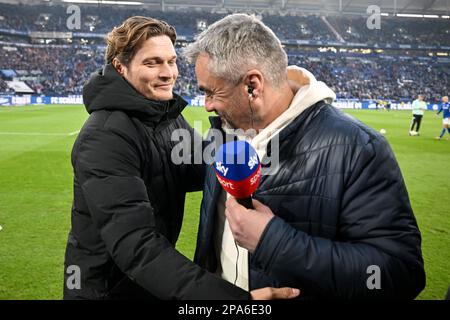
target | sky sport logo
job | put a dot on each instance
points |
(224, 170)
(221, 168)
(253, 162)
(238, 169)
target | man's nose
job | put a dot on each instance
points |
(166, 71)
(209, 106)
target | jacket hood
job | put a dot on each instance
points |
(108, 90)
(307, 92)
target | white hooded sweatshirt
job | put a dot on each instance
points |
(232, 259)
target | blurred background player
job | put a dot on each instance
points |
(383, 104)
(379, 104)
(388, 105)
(418, 108)
(445, 109)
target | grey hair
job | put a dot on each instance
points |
(238, 43)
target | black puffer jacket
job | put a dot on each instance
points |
(129, 201)
(341, 206)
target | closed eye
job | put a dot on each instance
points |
(207, 92)
(150, 63)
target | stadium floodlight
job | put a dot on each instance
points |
(432, 16)
(126, 3)
(445, 17)
(384, 14)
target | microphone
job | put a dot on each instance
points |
(238, 170)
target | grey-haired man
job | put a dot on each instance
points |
(335, 219)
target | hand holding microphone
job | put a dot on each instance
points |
(238, 170)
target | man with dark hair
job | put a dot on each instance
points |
(333, 217)
(128, 194)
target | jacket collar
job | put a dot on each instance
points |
(108, 90)
(216, 122)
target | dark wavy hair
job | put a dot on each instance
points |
(124, 41)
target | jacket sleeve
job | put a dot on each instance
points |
(107, 166)
(192, 169)
(376, 229)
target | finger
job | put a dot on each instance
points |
(260, 294)
(258, 205)
(233, 221)
(234, 218)
(235, 207)
(232, 203)
(261, 208)
(285, 293)
(229, 217)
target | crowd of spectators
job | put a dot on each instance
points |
(378, 77)
(62, 70)
(52, 70)
(4, 87)
(393, 30)
(102, 18)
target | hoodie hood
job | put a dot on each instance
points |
(308, 91)
(108, 90)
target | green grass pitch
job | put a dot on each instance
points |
(36, 194)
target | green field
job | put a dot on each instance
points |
(36, 194)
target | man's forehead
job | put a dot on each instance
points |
(158, 56)
(201, 64)
(206, 81)
(203, 76)
(160, 46)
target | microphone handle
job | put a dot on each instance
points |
(246, 202)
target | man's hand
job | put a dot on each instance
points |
(269, 293)
(247, 225)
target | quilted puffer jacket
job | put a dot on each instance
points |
(342, 214)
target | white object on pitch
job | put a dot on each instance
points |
(1, 228)
(382, 131)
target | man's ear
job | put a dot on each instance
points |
(120, 68)
(255, 80)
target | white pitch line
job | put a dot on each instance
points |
(74, 133)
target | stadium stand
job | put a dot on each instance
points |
(61, 66)
(416, 31)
